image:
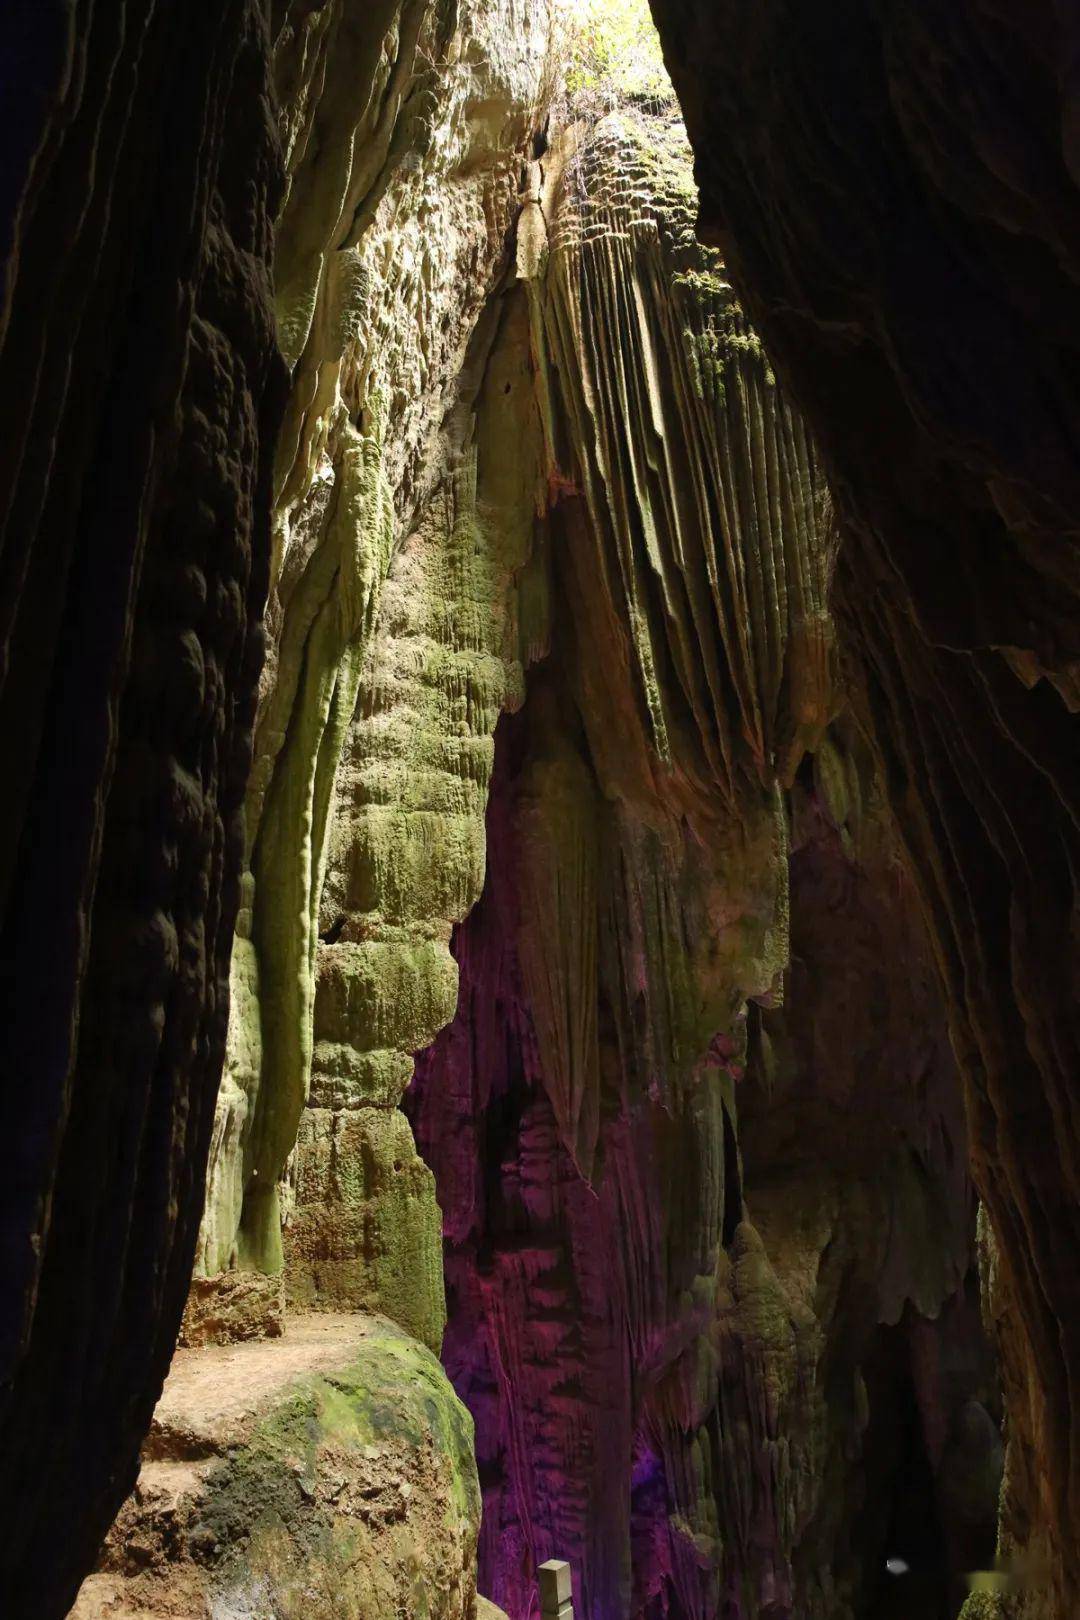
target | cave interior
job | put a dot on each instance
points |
(539, 673)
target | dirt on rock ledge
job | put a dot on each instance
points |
(327, 1474)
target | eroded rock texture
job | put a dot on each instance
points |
(391, 647)
(707, 1218)
(897, 190)
(329, 1476)
(709, 1262)
(140, 392)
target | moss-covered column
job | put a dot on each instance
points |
(403, 126)
(406, 861)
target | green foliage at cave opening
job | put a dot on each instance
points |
(611, 51)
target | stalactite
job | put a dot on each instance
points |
(897, 195)
(676, 431)
(660, 1323)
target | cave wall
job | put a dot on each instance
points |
(186, 196)
(141, 392)
(391, 650)
(554, 476)
(676, 1365)
(896, 191)
(695, 1126)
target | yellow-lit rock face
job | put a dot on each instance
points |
(391, 649)
(712, 541)
(363, 1222)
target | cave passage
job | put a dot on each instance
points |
(538, 687)
(911, 1575)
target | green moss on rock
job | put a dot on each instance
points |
(364, 1230)
(341, 1486)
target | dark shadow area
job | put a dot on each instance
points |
(732, 1182)
(908, 1579)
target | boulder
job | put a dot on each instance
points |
(327, 1475)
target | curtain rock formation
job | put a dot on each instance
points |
(896, 189)
(690, 1298)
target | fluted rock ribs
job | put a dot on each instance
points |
(897, 188)
(668, 1323)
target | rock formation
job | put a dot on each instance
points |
(141, 392)
(601, 659)
(896, 191)
(390, 655)
(326, 1477)
(145, 399)
(688, 1299)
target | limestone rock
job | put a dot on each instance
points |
(902, 233)
(391, 641)
(327, 1475)
(363, 1227)
(699, 1151)
(141, 393)
(230, 1308)
(486, 1610)
(550, 729)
